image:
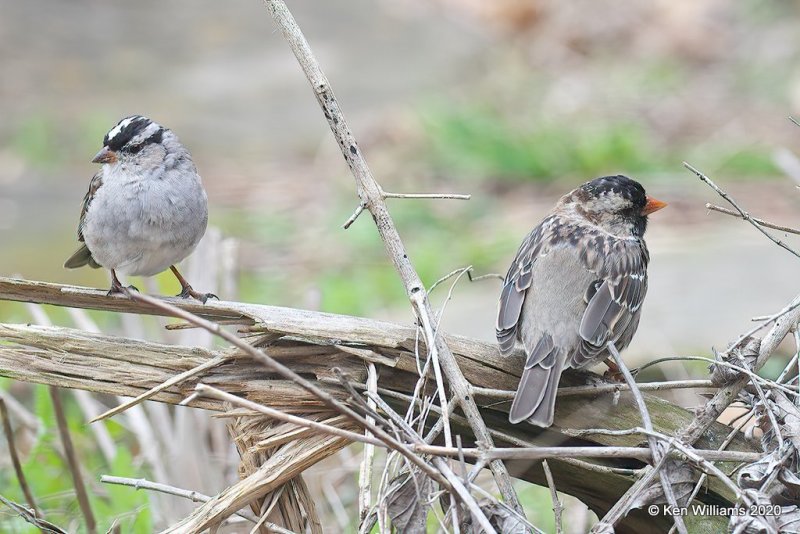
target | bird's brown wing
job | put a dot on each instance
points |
(94, 185)
(83, 256)
(518, 281)
(614, 301)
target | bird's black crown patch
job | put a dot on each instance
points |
(620, 185)
(124, 131)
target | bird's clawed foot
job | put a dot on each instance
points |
(189, 292)
(613, 373)
(117, 287)
(120, 289)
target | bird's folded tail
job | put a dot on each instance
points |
(81, 257)
(536, 395)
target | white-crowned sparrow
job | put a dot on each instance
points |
(577, 282)
(146, 208)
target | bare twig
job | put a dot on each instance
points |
(533, 528)
(460, 271)
(704, 476)
(177, 379)
(761, 222)
(699, 460)
(746, 216)
(755, 378)
(360, 208)
(768, 321)
(433, 350)
(703, 460)
(22, 414)
(486, 276)
(437, 427)
(412, 435)
(365, 471)
(528, 450)
(773, 421)
(458, 487)
(426, 195)
(12, 451)
(209, 391)
(265, 514)
(28, 515)
(448, 407)
(72, 461)
(349, 222)
(648, 424)
(792, 365)
(599, 389)
(449, 297)
(795, 363)
(194, 496)
(543, 453)
(557, 506)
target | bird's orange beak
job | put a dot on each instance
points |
(106, 155)
(652, 205)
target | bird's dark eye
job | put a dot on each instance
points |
(132, 149)
(156, 137)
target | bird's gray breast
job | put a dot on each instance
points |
(143, 224)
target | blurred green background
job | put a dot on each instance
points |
(514, 102)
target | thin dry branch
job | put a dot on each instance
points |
(600, 389)
(349, 222)
(700, 461)
(757, 380)
(557, 506)
(194, 496)
(703, 476)
(28, 515)
(286, 463)
(454, 196)
(543, 453)
(72, 461)
(746, 216)
(461, 489)
(657, 451)
(367, 462)
(372, 198)
(762, 222)
(208, 391)
(726, 395)
(384, 195)
(12, 451)
(166, 384)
